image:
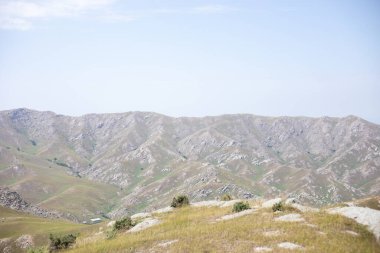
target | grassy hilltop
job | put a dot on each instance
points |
(14, 224)
(203, 229)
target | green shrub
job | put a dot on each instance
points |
(226, 197)
(123, 224)
(179, 201)
(278, 207)
(37, 250)
(62, 242)
(240, 206)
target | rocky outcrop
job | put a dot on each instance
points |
(292, 217)
(144, 224)
(236, 215)
(271, 202)
(25, 241)
(363, 215)
(13, 200)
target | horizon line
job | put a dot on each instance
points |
(177, 117)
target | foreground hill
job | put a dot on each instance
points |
(120, 163)
(211, 226)
(20, 231)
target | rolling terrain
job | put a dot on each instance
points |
(210, 226)
(112, 164)
(15, 225)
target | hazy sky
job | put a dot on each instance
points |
(192, 58)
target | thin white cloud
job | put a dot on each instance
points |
(21, 14)
(20, 9)
(15, 24)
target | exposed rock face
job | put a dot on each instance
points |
(292, 217)
(146, 223)
(236, 215)
(154, 157)
(14, 201)
(25, 241)
(363, 215)
(271, 202)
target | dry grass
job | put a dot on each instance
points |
(373, 202)
(14, 224)
(196, 231)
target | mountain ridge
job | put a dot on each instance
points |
(151, 156)
(185, 117)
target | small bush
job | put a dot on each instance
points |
(240, 206)
(180, 201)
(226, 197)
(123, 224)
(37, 250)
(62, 242)
(278, 207)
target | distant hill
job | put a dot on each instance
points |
(111, 164)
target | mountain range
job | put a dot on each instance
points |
(113, 164)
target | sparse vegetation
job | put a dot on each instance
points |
(180, 201)
(226, 197)
(191, 227)
(240, 206)
(278, 207)
(38, 250)
(123, 224)
(61, 242)
(62, 164)
(14, 224)
(373, 203)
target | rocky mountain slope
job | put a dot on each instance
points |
(148, 158)
(13, 200)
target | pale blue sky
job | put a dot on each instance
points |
(192, 58)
